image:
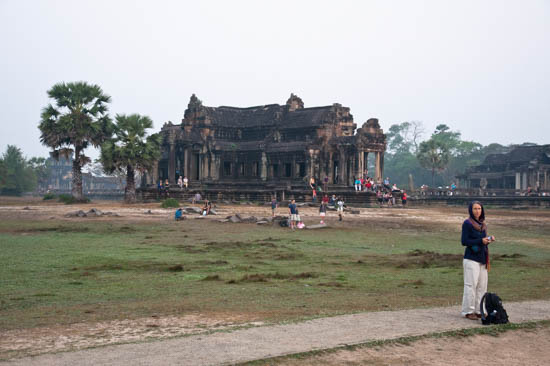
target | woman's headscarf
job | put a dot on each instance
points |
(478, 224)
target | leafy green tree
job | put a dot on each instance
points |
(18, 176)
(42, 169)
(3, 174)
(78, 120)
(131, 150)
(433, 155)
(400, 158)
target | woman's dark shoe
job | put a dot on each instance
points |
(471, 316)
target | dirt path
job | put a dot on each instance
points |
(269, 341)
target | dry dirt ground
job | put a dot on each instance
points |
(514, 345)
(521, 347)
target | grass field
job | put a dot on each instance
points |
(62, 271)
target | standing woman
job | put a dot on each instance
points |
(476, 260)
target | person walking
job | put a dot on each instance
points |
(404, 199)
(274, 205)
(476, 260)
(323, 211)
(340, 208)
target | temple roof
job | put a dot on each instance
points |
(520, 154)
(266, 116)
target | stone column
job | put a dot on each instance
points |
(378, 171)
(186, 168)
(263, 173)
(381, 164)
(359, 164)
(330, 168)
(172, 164)
(155, 173)
(342, 167)
(518, 181)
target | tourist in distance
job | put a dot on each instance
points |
(323, 211)
(476, 259)
(380, 197)
(197, 198)
(292, 211)
(404, 199)
(274, 205)
(180, 182)
(166, 188)
(332, 201)
(185, 182)
(207, 207)
(340, 208)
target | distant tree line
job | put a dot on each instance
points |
(435, 161)
(19, 174)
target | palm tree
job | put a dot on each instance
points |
(131, 150)
(78, 120)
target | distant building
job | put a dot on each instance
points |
(522, 168)
(61, 174)
(269, 145)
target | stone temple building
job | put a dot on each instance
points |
(526, 166)
(269, 145)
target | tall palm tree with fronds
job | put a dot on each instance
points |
(78, 119)
(131, 150)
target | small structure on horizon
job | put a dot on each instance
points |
(524, 167)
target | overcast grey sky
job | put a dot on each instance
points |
(481, 67)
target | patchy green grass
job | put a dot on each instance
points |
(63, 272)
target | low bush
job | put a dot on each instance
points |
(49, 196)
(69, 199)
(170, 203)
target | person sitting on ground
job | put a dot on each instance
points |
(340, 209)
(179, 215)
(207, 207)
(300, 225)
(197, 198)
(323, 211)
(292, 211)
(368, 185)
(357, 184)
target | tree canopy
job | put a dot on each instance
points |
(130, 149)
(16, 174)
(78, 119)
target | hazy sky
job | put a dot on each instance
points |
(481, 67)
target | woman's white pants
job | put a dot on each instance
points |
(475, 285)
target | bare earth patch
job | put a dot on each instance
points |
(29, 342)
(522, 347)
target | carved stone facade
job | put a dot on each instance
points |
(269, 145)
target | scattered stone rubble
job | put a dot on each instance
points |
(94, 212)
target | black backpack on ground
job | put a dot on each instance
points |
(495, 312)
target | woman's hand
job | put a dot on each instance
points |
(485, 241)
